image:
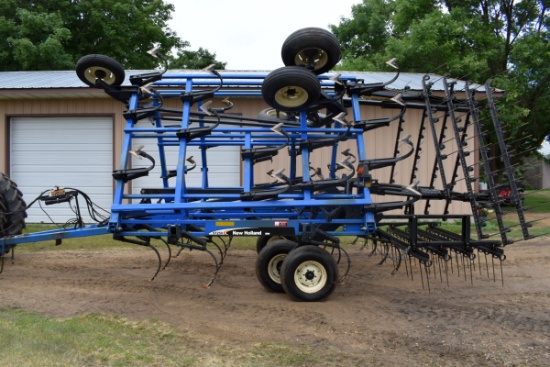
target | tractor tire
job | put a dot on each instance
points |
(12, 211)
(315, 48)
(269, 262)
(309, 274)
(90, 68)
(291, 88)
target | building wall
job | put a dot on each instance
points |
(379, 143)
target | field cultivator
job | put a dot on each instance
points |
(301, 212)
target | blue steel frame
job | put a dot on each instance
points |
(213, 210)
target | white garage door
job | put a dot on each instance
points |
(224, 168)
(74, 152)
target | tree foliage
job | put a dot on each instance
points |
(54, 34)
(196, 60)
(504, 40)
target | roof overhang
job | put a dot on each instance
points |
(52, 93)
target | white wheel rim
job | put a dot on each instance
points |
(291, 96)
(92, 74)
(320, 59)
(274, 268)
(310, 277)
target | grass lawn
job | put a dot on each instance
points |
(29, 339)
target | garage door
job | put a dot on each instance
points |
(74, 152)
(224, 168)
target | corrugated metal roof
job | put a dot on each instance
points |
(40, 79)
(10, 80)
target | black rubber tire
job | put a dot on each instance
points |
(92, 67)
(263, 241)
(12, 211)
(314, 48)
(269, 262)
(309, 274)
(291, 88)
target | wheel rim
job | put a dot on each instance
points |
(319, 57)
(274, 267)
(291, 96)
(310, 276)
(97, 72)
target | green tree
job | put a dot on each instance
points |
(196, 60)
(506, 40)
(363, 37)
(54, 34)
(33, 41)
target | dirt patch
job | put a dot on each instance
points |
(372, 318)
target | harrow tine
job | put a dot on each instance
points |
(355, 240)
(457, 264)
(145, 242)
(447, 271)
(374, 247)
(411, 267)
(392, 254)
(471, 272)
(228, 244)
(427, 277)
(408, 266)
(365, 244)
(217, 267)
(398, 265)
(179, 251)
(478, 262)
(219, 250)
(202, 247)
(159, 260)
(339, 257)
(493, 262)
(385, 255)
(439, 266)
(464, 267)
(341, 280)
(501, 272)
(169, 253)
(422, 276)
(432, 271)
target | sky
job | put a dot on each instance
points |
(248, 34)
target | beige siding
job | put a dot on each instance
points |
(379, 143)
